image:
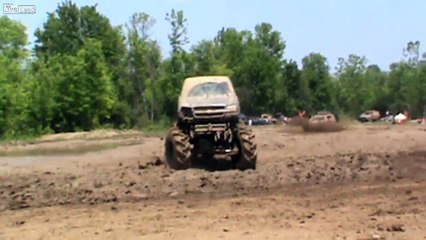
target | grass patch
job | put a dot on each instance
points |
(156, 130)
(18, 140)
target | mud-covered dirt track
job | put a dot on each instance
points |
(367, 182)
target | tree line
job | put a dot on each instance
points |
(83, 73)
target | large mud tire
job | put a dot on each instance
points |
(177, 150)
(247, 157)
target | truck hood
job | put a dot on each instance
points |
(208, 101)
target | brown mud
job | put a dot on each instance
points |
(366, 182)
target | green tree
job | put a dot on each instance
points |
(316, 85)
(13, 99)
(291, 83)
(144, 59)
(207, 59)
(85, 95)
(66, 32)
(231, 46)
(377, 90)
(176, 68)
(40, 87)
(407, 82)
(353, 90)
(255, 63)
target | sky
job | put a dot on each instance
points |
(376, 29)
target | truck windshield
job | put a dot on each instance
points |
(209, 89)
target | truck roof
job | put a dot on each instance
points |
(189, 83)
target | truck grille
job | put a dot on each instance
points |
(209, 111)
(205, 108)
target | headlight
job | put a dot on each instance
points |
(232, 107)
(186, 112)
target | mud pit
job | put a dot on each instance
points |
(367, 182)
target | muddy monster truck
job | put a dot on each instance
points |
(208, 126)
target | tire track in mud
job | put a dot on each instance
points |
(135, 182)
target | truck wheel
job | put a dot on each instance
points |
(177, 150)
(247, 154)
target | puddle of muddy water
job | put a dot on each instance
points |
(24, 161)
(62, 151)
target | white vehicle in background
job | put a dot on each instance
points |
(400, 118)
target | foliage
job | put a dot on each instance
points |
(143, 61)
(88, 74)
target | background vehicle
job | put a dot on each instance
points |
(369, 116)
(269, 118)
(208, 124)
(322, 121)
(258, 121)
(400, 118)
(280, 117)
(244, 118)
(323, 116)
